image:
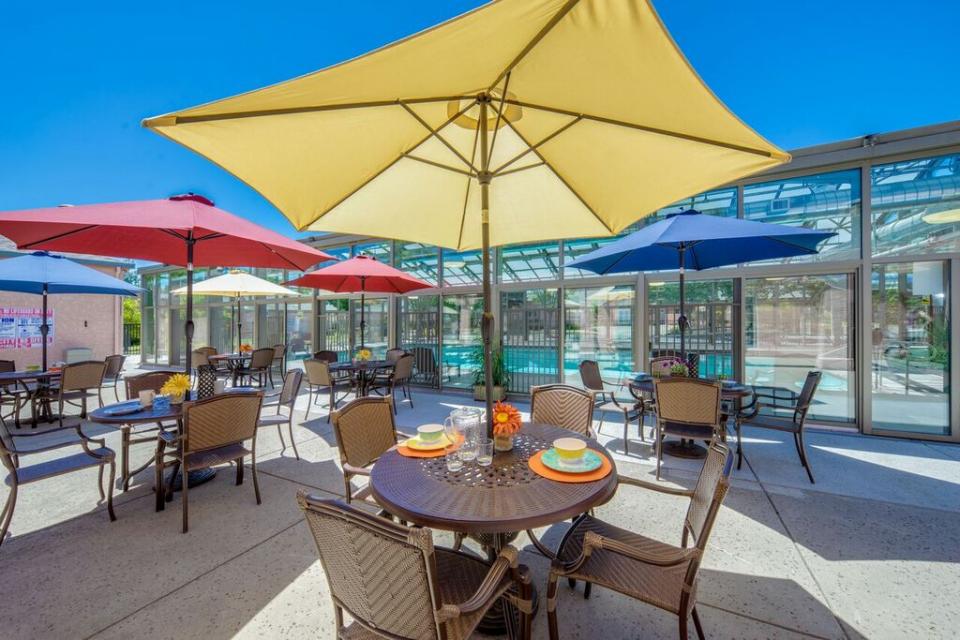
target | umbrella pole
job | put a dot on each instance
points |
(682, 319)
(239, 327)
(188, 325)
(487, 324)
(44, 328)
(363, 318)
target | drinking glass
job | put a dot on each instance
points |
(468, 449)
(454, 462)
(484, 452)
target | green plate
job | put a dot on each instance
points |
(591, 461)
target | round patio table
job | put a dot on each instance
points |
(40, 393)
(363, 370)
(491, 502)
(731, 391)
(234, 362)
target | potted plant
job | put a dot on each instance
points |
(500, 376)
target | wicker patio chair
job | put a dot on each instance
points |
(138, 434)
(394, 583)
(94, 454)
(399, 377)
(607, 402)
(425, 366)
(364, 429)
(688, 408)
(15, 395)
(78, 383)
(395, 354)
(279, 358)
(651, 571)
(287, 398)
(326, 356)
(320, 378)
(562, 405)
(261, 360)
(112, 374)
(215, 431)
(793, 422)
(660, 365)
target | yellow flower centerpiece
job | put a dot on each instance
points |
(506, 424)
(176, 387)
(246, 348)
(364, 354)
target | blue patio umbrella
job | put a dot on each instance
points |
(42, 273)
(692, 240)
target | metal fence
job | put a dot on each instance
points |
(131, 338)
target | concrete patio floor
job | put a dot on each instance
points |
(871, 551)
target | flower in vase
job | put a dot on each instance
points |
(506, 419)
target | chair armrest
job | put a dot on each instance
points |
(592, 540)
(489, 588)
(168, 438)
(50, 447)
(643, 484)
(355, 471)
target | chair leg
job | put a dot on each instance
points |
(158, 488)
(393, 397)
(283, 445)
(409, 393)
(183, 497)
(626, 433)
(696, 623)
(683, 626)
(552, 606)
(100, 395)
(331, 406)
(306, 416)
(803, 457)
(116, 394)
(659, 443)
(7, 513)
(586, 590)
(293, 443)
(113, 475)
(256, 481)
(739, 429)
(239, 463)
(125, 459)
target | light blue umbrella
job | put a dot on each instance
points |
(691, 239)
(42, 273)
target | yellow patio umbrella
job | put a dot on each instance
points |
(522, 120)
(236, 284)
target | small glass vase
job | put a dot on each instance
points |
(176, 398)
(503, 442)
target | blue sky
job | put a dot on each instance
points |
(77, 78)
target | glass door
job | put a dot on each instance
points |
(376, 312)
(530, 332)
(460, 327)
(418, 321)
(598, 325)
(333, 331)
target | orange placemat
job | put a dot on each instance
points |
(418, 453)
(541, 469)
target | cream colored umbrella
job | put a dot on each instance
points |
(520, 121)
(236, 284)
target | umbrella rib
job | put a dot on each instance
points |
(496, 125)
(641, 127)
(30, 245)
(169, 120)
(561, 179)
(519, 169)
(436, 134)
(466, 195)
(440, 165)
(545, 140)
(281, 256)
(557, 17)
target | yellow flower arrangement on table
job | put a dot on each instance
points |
(506, 424)
(176, 387)
(364, 354)
(246, 348)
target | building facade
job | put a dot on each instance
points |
(873, 310)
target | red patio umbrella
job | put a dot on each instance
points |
(185, 230)
(360, 275)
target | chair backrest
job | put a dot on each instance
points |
(113, 365)
(326, 356)
(82, 376)
(221, 420)
(279, 350)
(688, 401)
(364, 429)
(660, 366)
(394, 599)
(210, 351)
(395, 354)
(562, 405)
(206, 381)
(318, 372)
(708, 494)
(403, 368)
(6, 445)
(7, 366)
(590, 375)
(262, 358)
(291, 387)
(199, 358)
(150, 381)
(806, 395)
(425, 361)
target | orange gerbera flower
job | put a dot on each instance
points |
(506, 419)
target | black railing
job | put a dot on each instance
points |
(131, 338)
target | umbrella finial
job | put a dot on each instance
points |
(193, 196)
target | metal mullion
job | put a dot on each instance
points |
(864, 311)
(954, 332)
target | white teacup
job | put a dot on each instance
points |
(430, 432)
(146, 397)
(219, 386)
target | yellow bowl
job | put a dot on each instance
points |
(570, 449)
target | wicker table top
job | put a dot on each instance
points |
(368, 365)
(504, 497)
(731, 390)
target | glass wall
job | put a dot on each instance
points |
(521, 263)
(462, 268)
(911, 348)
(461, 339)
(333, 327)
(223, 328)
(825, 202)
(419, 260)
(530, 333)
(376, 312)
(915, 206)
(270, 324)
(418, 325)
(797, 324)
(299, 331)
(598, 325)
